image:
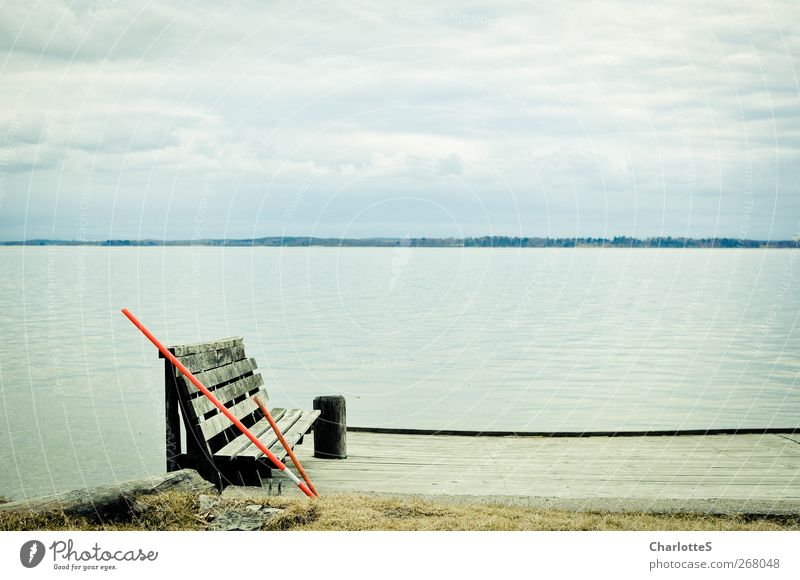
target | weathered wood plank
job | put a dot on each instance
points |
(213, 377)
(702, 467)
(180, 350)
(258, 429)
(219, 422)
(269, 438)
(204, 361)
(295, 432)
(246, 386)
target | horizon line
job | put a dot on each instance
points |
(425, 241)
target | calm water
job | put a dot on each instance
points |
(535, 340)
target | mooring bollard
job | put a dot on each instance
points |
(330, 430)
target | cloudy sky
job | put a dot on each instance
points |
(207, 119)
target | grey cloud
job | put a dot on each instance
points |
(451, 164)
(123, 132)
(578, 110)
(97, 30)
(25, 157)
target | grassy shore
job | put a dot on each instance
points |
(182, 511)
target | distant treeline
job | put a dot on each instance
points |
(479, 242)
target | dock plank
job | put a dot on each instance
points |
(744, 467)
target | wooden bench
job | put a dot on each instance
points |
(209, 442)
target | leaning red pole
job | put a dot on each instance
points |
(286, 445)
(185, 372)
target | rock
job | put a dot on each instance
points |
(242, 519)
(111, 501)
(244, 492)
(207, 502)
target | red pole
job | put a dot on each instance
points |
(171, 357)
(285, 444)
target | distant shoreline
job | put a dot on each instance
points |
(424, 242)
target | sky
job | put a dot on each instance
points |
(241, 119)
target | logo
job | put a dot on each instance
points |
(31, 553)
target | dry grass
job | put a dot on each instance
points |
(354, 512)
(180, 511)
(167, 511)
(42, 521)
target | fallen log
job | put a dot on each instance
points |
(111, 501)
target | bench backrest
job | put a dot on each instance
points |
(224, 369)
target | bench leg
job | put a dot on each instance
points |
(172, 417)
(251, 474)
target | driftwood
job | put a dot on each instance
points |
(110, 501)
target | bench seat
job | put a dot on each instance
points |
(293, 423)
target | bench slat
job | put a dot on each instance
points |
(294, 434)
(213, 377)
(199, 406)
(252, 452)
(203, 361)
(219, 422)
(197, 347)
(241, 443)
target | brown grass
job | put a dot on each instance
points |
(354, 512)
(180, 511)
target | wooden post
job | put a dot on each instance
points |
(330, 430)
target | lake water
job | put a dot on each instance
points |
(494, 339)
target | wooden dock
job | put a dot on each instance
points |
(760, 468)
